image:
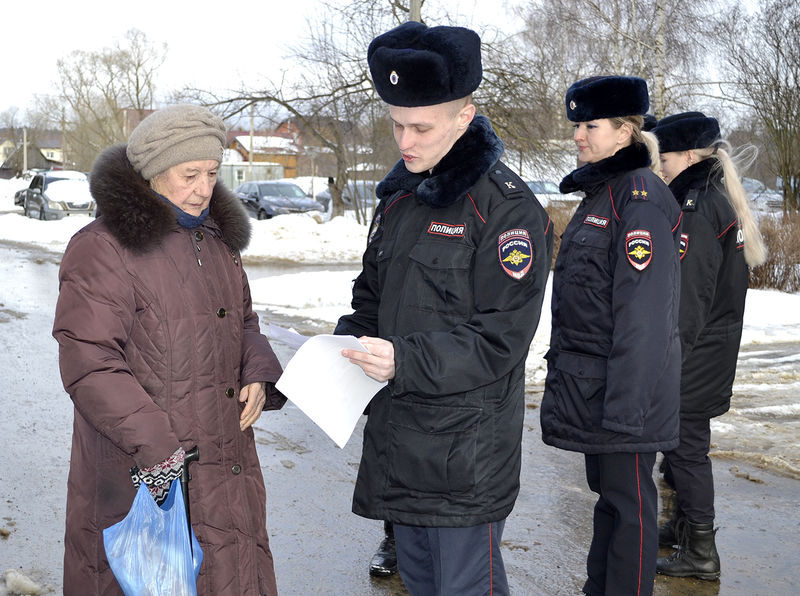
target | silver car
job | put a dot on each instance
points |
(56, 194)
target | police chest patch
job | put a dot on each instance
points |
(444, 229)
(684, 245)
(596, 220)
(516, 252)
(639, 248)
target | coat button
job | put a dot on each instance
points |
(236, 469)
(221, 312)
(229, 392)
(198, 235)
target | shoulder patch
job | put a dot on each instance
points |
(511, 186)
(690, 202)
(639, 247)
(515, 252)
(684, 245)
(638, 188)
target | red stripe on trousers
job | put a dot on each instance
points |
(491, 579)
(641, 527)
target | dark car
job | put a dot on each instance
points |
(267, 198)
(359, 193)
(56, 194)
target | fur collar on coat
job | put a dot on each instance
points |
(139, 219)
(471, 157)
(628, 158)
(700, 175)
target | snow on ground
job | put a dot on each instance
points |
(770, 316)
(324, 295)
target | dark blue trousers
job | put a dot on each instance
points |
(622, 557)
(688, 471)
(451, 561)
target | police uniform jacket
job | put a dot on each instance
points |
(614, 360)
(453, 275)
(714, 279)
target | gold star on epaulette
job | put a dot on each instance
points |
(635, 193)
(644, 193)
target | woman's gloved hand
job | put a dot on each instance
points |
(159, 477)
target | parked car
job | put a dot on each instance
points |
(267, 198)
(360, 192)
(55, 194)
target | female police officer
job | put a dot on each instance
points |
(719, 240)
(612, 388)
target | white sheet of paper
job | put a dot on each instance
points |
(290, 337)
(327, 387)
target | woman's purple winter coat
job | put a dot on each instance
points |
(157, 336)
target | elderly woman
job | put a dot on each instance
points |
(720, 240)
(160, 351)
(612, 386)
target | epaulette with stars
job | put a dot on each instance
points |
(638, 188)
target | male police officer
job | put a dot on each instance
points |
(447, 304)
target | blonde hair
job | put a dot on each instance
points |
(646, 138)
(755, 253)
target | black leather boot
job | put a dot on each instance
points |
(669, 532)
(696, 556)
(384, 561)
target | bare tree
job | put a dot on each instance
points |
(96, 87)
(329, 92)
(762, 52)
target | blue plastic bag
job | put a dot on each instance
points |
(149, 552)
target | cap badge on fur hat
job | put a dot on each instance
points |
(606, 97)
(415, 65)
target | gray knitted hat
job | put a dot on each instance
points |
(175, 135)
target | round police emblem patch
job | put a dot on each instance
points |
(515, 252)
(393, 78)
(639, 248)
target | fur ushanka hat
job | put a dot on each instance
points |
(688, 130)
(414, 65)
(606, 97)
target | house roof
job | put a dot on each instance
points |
(268, 144)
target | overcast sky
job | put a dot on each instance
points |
(210, 44)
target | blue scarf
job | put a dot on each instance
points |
(186, 220)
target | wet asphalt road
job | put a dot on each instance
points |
(319, 546)
(322, 548)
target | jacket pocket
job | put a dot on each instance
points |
(589, 258)
(432, 449)
(440, 278)
(579, 381)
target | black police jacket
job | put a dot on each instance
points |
(453, 275)
(714, 278)
(614, 361)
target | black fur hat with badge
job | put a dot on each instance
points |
(414, 65)
(688, 130)
(606, 97)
